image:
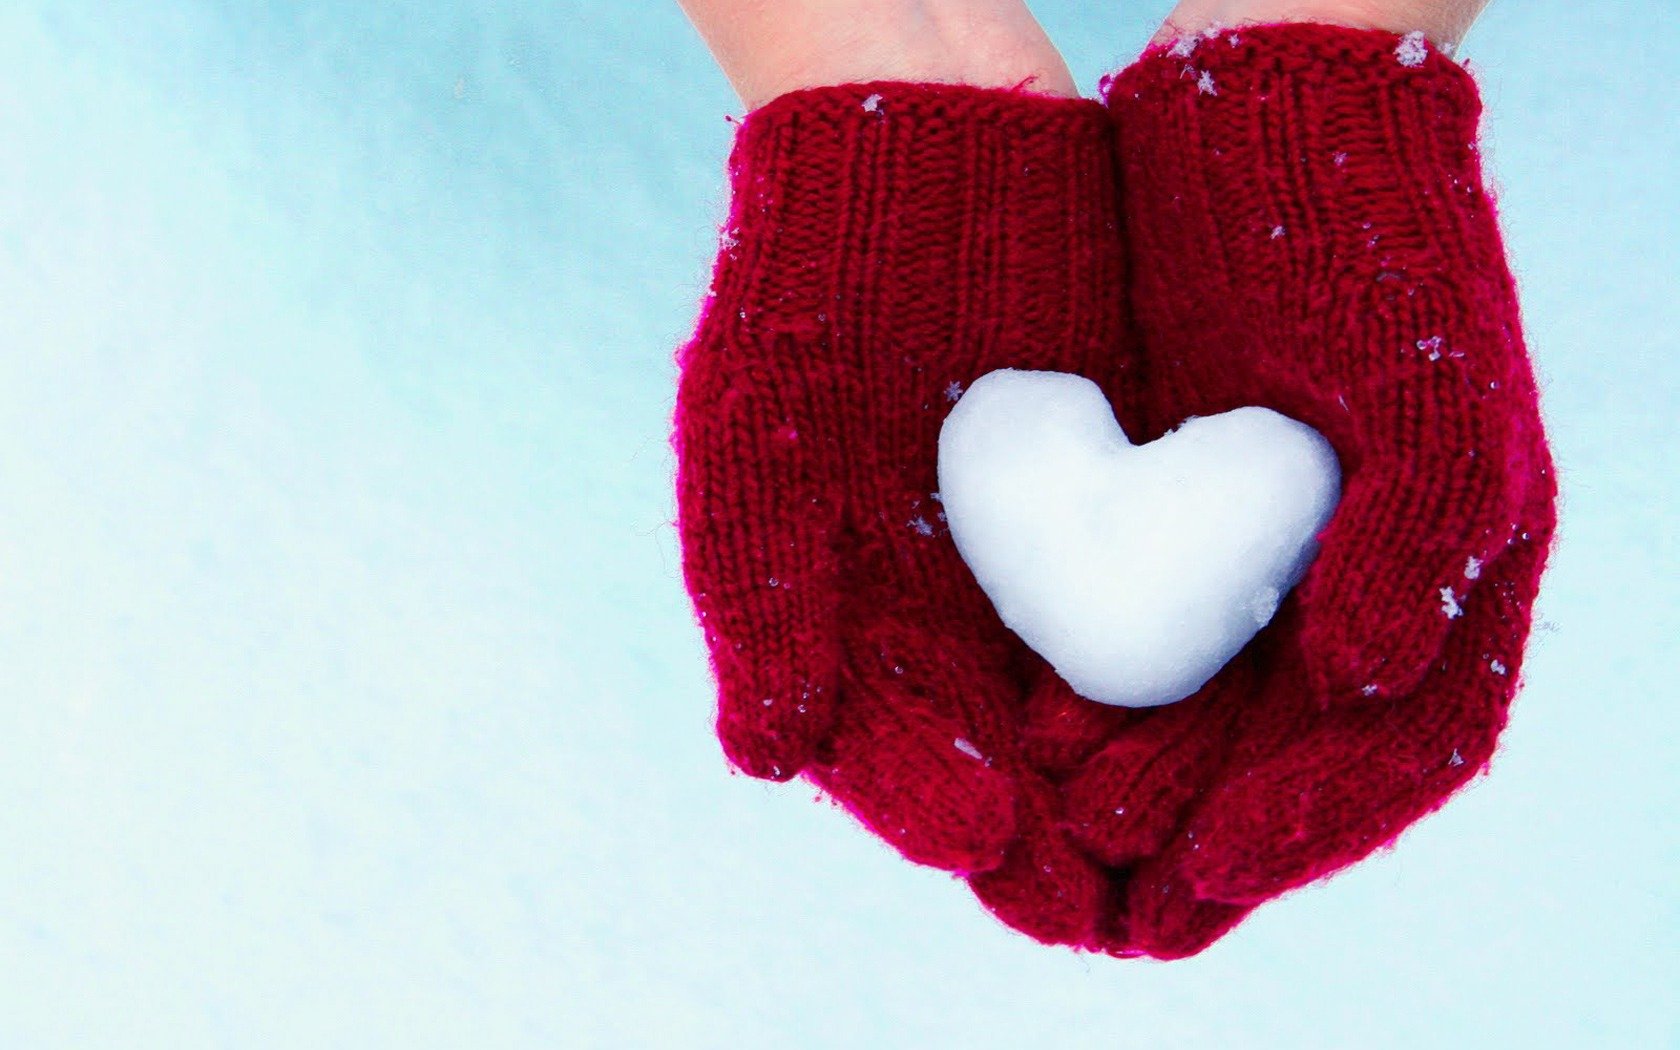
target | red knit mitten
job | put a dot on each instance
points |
(1310, 232)
(887, 245)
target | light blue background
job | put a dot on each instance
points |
(349, 696)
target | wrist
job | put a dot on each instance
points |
(769, 50)
(1442, 22)
(978, 55)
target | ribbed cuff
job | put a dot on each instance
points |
(1285, 130)
(1293, 187)
(856, 207)
(1338, 70)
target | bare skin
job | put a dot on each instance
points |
(1444, 22)
(770, 47)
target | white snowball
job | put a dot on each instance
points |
(1136, 571)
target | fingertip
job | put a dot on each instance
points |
(1126, 801)
(1169, 919)
(774, 713)
(1113, 816)
(763, 751)
(917, 781)
(965, 830)
(1403, 557)
(1354, 648)
(1046, 887)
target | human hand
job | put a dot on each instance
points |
(888, 244)
(1310, 232)
(883, 751)
(767, 49)
(1443, 22)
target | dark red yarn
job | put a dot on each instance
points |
(888, 244)
(1308, 230)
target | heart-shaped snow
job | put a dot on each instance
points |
(1137, 571)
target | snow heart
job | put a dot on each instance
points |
(1137, 571)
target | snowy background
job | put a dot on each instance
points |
(349, 697)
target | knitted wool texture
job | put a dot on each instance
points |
(1310, 232)
(887, 245)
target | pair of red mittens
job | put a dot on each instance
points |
(1288, 216)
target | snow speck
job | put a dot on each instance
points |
(968, 749)
(1184, 46)
(768, 701)
(1204, 84)
(1369, 690)
(953, 391)
(1449, 604)
(872, 104)
(774, 582)
(920, 526)
(1340, 158)
(1264, 605)
(1432, 345)
(1472, 568)
(1277, 231)
(1413, 49)
(1497, 666)
(1456, 759)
